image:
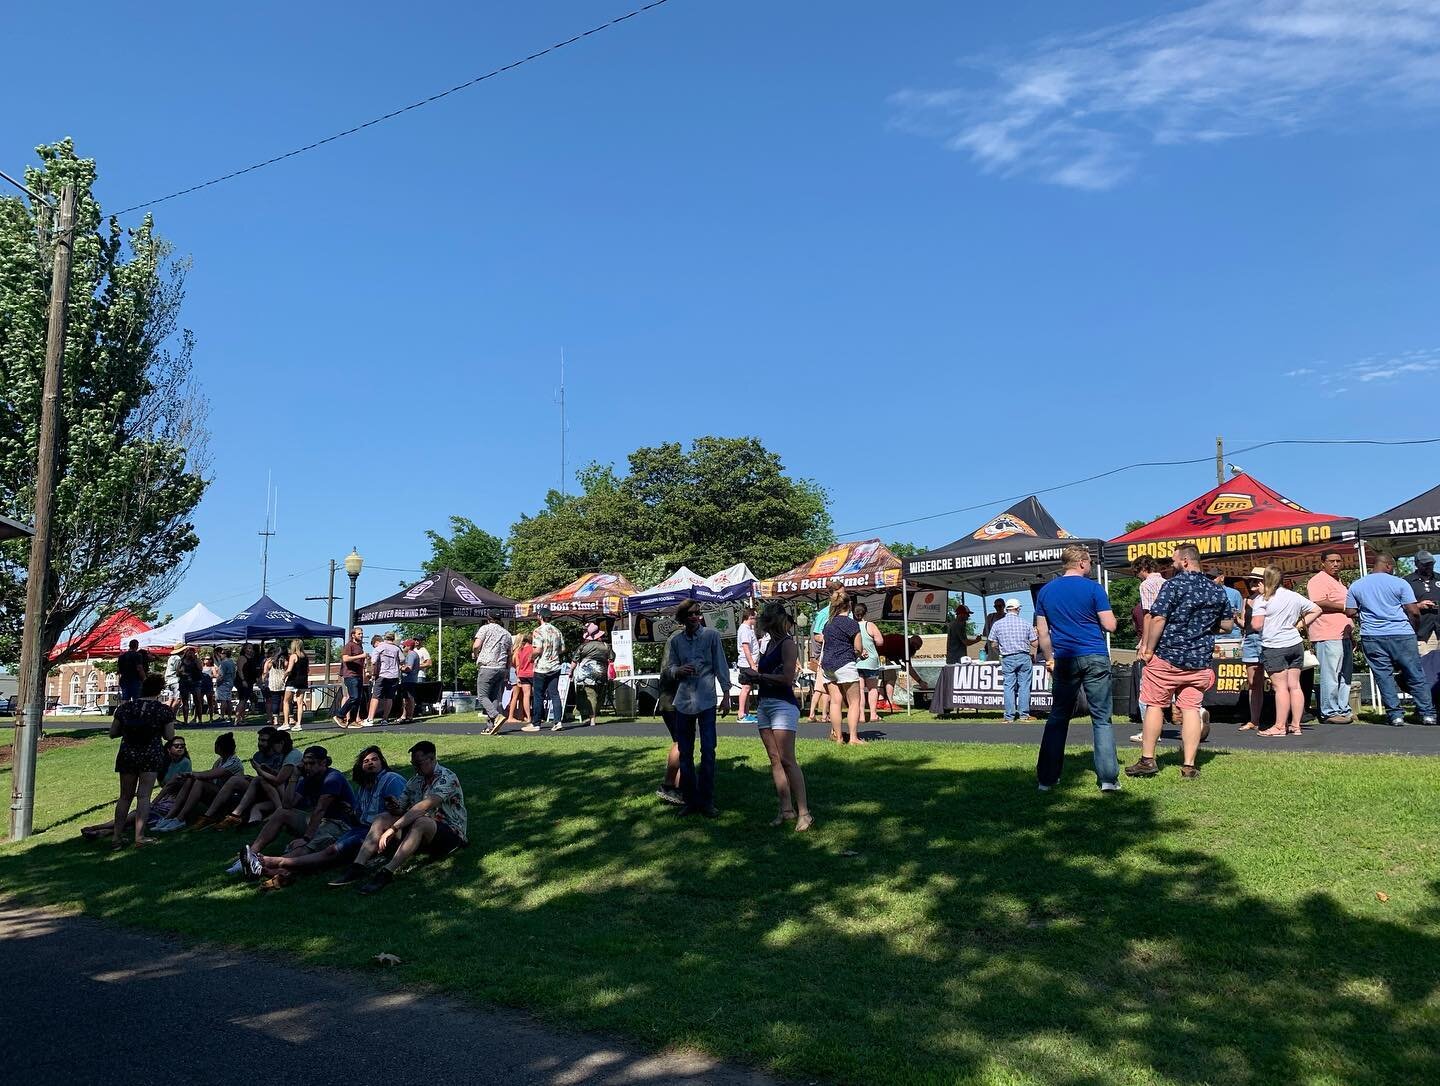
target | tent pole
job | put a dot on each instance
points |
(1105, 584)
(905, 625)
(440, 654)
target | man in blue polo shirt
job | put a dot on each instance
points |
(1385, 607)
(1072, 617)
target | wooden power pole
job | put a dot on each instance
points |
(1220, 461)
(32, 659)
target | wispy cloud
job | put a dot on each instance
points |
(1335, 380)
(1083, 110)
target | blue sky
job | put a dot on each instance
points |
(934, 254)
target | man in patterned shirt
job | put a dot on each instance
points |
(1179, 642)
(430, 815)
(1014, 640)
(545, 700)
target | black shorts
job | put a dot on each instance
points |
(384, 689)
(1290, 658)
(445, 841)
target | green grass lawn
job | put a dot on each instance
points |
(944, 923)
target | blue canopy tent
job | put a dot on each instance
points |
(263, 620)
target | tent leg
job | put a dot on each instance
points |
(905, 626)
(1105, 584)
(440, 656)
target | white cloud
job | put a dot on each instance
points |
(1303, 371)
(1338, 379)
(1082, 110)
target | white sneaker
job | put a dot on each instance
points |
(296, 728)
(367, 723)
(530, 728)
(1110, 786)
(556, 726)
(1043, 787)
(236, 868)
(282, 727)
(251, 860)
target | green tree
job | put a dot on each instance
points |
(132, 456)
(721, 501)
(479, 555)
(1124, 595)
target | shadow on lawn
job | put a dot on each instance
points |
(1069, 937)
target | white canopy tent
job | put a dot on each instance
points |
(173, 632)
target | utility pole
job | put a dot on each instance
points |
(329, 599)
(1220, 460)
(32, 660)
(563, 424)
(267, 533)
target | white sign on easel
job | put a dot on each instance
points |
(623, 644)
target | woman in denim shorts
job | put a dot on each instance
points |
(777, 715)
(1250, 651)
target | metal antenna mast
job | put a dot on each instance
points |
(564, 425)
(272, 515)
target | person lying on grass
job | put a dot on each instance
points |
(429, 814)
(271, 789)
(324, 812)
(373, 782)
(201, 787)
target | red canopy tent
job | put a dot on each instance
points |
(110, 637)
(585, 597)
(1238, 525)
(866, 566)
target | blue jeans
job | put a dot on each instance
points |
(1072, 673)
(1334, 677)
(130, 689)
(698, 790)
(350, 709)
(1388, 655)
(1016, 671)
(545, 696)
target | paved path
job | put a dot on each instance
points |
(117, 989)
(1318, 738)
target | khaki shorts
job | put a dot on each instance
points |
(326, 834)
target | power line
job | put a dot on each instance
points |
(1131, 467)
(397, 112)
(26, 189)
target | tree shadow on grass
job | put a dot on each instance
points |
(940, 925)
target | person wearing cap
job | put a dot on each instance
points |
(491, 649)
(549, 645)
(385, 678)
(695, 661)
(1330, 637)
(1387, 611)
(1014, 640)
(409, 676)
(1237, 604)
(1427, 590)
(957, 636)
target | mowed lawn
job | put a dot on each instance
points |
(944, 923)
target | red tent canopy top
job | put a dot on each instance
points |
(110, 637)
(1241, 520)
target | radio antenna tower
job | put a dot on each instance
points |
(272, 516)
(564, 423)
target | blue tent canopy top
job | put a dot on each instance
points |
(263, 620)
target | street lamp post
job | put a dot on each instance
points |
(353, 564)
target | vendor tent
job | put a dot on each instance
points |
(441, 595)
(1240, 524)
(859, 567)
(1411, 526)
(263, 620)
(110, 637)
(733, 583)
(1018, 549)
(13, 529)
(585, 597)
(438, 596)
(670, 592)
(174, 631)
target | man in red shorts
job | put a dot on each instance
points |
(1179, 641)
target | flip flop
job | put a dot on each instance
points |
(1249, 726)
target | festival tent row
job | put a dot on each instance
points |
(173, 632)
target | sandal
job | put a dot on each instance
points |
(117, 846)
(804, 822)
(1189, 772)
(1275, 732)
(1294, 731)
(1249, 726)
(782, 818)
(141, 842)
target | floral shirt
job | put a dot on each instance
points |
(1191, 604)
(445, 788)
(549, 643)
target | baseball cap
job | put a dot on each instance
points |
(1423, 558)
(1012, 605)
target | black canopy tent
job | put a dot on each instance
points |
(1411, 526)
(13, 529)
(440, 595)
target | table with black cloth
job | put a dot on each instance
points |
(977, 685)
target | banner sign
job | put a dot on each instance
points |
(979, 684)
(624, 647)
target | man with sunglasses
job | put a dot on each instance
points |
(696, 660)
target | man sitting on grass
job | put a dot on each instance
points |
(373, 782)
(323, 813)
(204, 785)
(430, 814)
(270, 789)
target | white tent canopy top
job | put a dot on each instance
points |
(173, 632)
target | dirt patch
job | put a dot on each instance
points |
(46, 744)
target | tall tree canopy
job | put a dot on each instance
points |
(132, 428)
(723, 500)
